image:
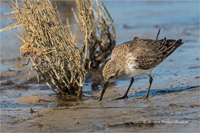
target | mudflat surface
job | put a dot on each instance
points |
(173, 105)
(172, 112)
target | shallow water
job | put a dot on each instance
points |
(180, 71)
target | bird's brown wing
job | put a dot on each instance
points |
(150, 53)
(146, 58)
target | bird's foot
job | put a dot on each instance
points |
(124, 97)
(143, 97)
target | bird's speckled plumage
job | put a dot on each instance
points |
(137, 57)
(141, 54)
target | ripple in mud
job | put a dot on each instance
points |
(141, 124)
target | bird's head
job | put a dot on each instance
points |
(111, 72)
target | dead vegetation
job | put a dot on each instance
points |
(99, 33)
(52, 48)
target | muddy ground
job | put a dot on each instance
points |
(173, 109)
(173, 105)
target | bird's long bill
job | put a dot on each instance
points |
(103, 91)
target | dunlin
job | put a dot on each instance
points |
(137, 57)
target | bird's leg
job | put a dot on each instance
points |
(150, 82)
(125, 95)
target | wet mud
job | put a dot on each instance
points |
(178, 110)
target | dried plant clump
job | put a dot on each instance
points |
(51, 47)
(99, 33)
(53, 54)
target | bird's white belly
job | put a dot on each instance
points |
(133, 72)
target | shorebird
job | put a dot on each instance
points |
(137, 57)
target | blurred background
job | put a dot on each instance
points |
(177, 19)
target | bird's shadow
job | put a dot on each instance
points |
(163, 91)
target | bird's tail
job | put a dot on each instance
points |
(170, 46)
